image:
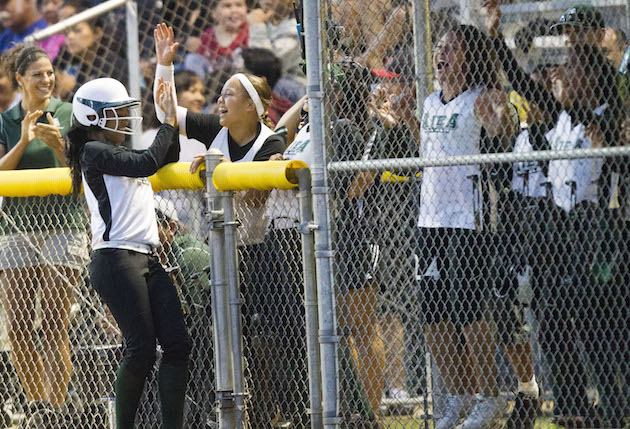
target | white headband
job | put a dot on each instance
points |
(253, 94)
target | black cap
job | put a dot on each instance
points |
(583, 16)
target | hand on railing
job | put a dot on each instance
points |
(200, 159)
(165, 44)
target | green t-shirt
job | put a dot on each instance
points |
(39, 213)
(191, 256)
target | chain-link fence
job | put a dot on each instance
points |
(481, 291)
(468, 292)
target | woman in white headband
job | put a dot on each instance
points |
(240, 130)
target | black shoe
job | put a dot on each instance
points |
(524, 414)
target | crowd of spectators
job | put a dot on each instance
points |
(456, 255)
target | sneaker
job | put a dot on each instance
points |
(398, 394)
(524, 414)
(485, 414)
(455, 408)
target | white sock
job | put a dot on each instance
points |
(530, 388)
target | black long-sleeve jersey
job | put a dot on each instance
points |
(118, 191)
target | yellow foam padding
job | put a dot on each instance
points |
(48, 181)
(522, 107)
(388, 176)
(263, 175)
(176, 176)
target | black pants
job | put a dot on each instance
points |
(146, 307)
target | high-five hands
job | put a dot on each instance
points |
(165, 45)
(166, 101)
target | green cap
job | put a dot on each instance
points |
(582, 16)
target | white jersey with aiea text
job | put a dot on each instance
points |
(573, 180)
(253, 220)
(132, 215)
(527, 177)
(283, 204)
(450, 196)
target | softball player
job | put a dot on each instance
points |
(125, 269)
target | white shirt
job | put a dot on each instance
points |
(528, 178)
(283, 204)
(573, 180)
(449, 196)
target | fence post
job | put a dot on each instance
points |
(133, 55)
(422, 51)
(220, 321)
(235, 303)
(323, 252)
(310, 296)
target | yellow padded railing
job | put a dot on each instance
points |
(48, 181)
(227, 177)
(263, 176)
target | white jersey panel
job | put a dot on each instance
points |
(527, 178)
(284, 203)
(573, 180)
(132, 211)
(449, 196)
(253, 220)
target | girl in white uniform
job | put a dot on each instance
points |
(125, 270)
(453, 255)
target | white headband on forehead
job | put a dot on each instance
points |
(253, 94)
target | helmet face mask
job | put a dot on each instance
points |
(106, 104)
(122, 118)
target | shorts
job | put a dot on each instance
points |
(451, 273)
(67, 248)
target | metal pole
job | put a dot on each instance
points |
(75, 19)
(310, 296)
(323, 252)
(133, 56)
(234, 293)
(422, 49)
(220, 321)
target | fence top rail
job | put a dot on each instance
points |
(56, 181)
(414, 164)
(260, 175)
(74, 20)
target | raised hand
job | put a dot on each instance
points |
(28, 126)
(165, 45)
(167, 102)
(49, 133)
(493, 18)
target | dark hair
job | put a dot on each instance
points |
(262, 62)
(76, 138)
(184, 79)
(19, 58)
(354, 81)
(480, 57)
(596, 67)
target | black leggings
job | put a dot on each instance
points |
(145, 304)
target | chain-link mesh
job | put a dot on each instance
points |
(456, 286)
(469, 294)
